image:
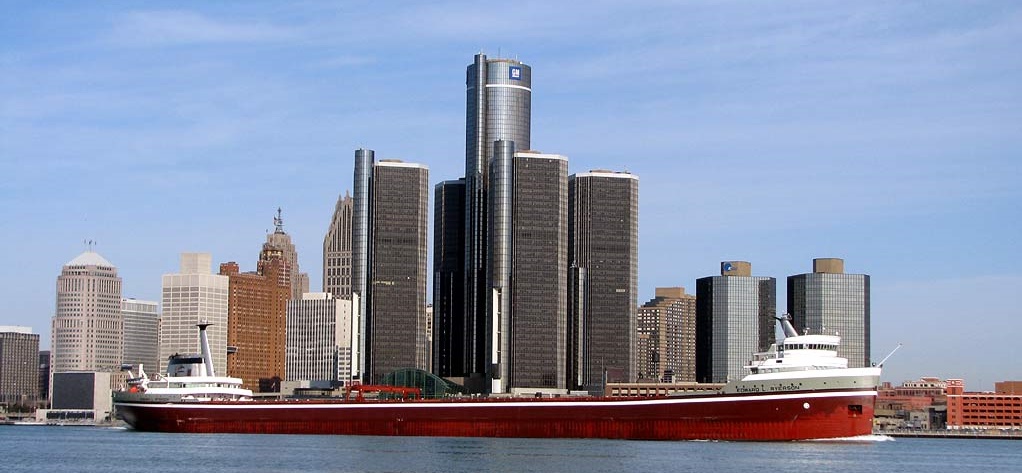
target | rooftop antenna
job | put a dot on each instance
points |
(278, 222)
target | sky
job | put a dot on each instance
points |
(888, 134)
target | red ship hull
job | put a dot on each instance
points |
(760, 417)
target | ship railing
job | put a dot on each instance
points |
(404, 393)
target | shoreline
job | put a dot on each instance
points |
(955, 434)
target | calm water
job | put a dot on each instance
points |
(67, 449)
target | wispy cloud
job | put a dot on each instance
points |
(178, 27)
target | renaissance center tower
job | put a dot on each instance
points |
(498, 107)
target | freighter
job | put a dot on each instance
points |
(799, 389)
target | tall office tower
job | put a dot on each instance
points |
(498, 107)
(603, 248)
(450, 329)
(666, 346)
(282, 241)
(828, 301)
(337, 251)
(88, 329)
(257, 320)
(141, 333)
(389, 249)
(19, 366)
(319, 338)
(194, 295)
(528, 254)
(734, 319)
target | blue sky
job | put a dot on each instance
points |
(885, 133)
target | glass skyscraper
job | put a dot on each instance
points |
(498, 107)
(734, 319)
(389, 266)
(828, 301)
(603, 248)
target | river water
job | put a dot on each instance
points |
(70, 449)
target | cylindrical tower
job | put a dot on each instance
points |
(500, 193)
(360, 235)
(498, 107)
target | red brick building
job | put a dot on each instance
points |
(1001, 409)
(256, 319)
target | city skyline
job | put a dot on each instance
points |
(886, 135)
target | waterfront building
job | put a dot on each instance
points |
(828, 301)
(603, 249)
(80, 397)
(19, 368)
(141, 333)
(528, 253)
(916, 404)
(88, 328)
(191, 296)
(1001, 409)
(389, 224)
(337, 251)
(450, 327)
(666, 332)
(319, 338)
(44, 374)
(498, 107)
(279, 239)
(256, 320)
(734, 319)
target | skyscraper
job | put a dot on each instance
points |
(828, 301)
(528, 252)
(194, 295)
(282, 241)
(141, 333)
(19, 366)
(88, 329)
(734, 319)
(257, 319)
(603, 244)
(666, 346)
(337, 250)
(389, 244)
(319, 338)
(450, 325)
(498, 107)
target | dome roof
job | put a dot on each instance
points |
(89, 258)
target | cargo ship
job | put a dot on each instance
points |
(800, 389)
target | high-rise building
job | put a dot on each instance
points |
(450, 325)
(257, 320)
(19, 367)
(389, 265)
(299, 281)
(194, 295)
(603, 248)
(734, 319)
(666, 343)
(337, 251)
(498, 107)
(88, 329)
(319, 338)
(828, 301)
(528, 254)
(141, 333)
